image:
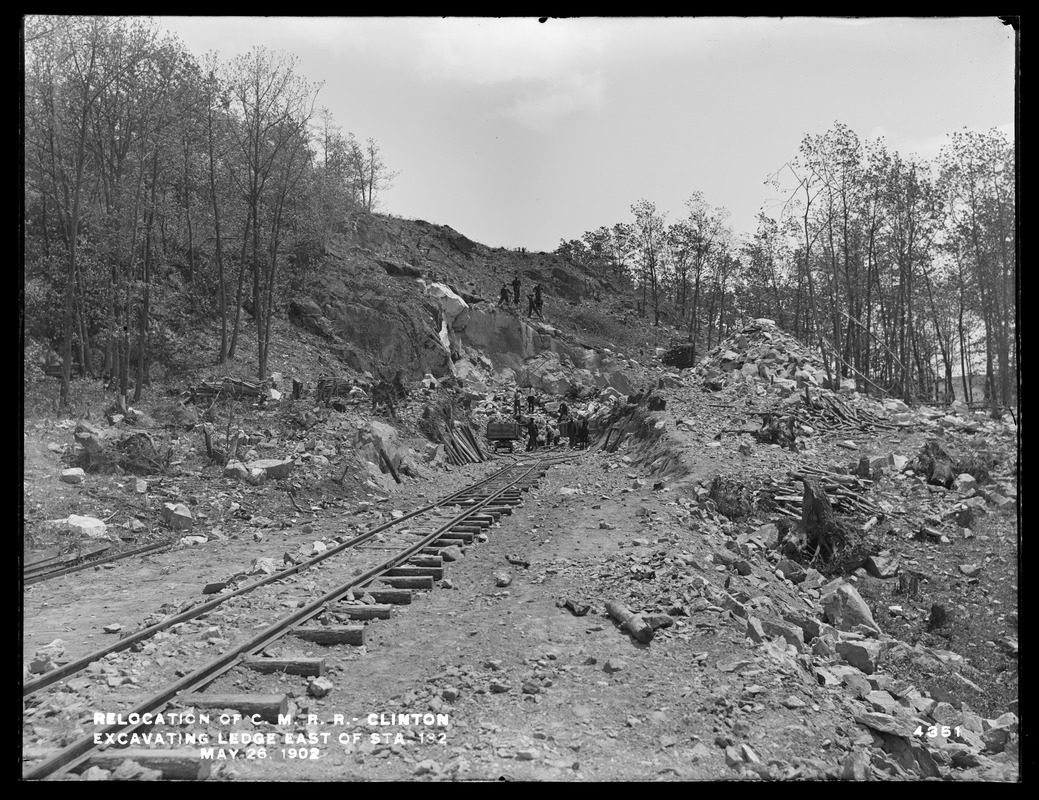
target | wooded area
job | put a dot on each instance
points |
(155, 177)
(902, 271)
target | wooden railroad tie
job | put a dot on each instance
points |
(449, 541)
(377, 611)
(396, 597)
(408, 582)
(342, 634)
(408, 571)
(432, 550)
(301, 665)
(268, 706)
(175, 765)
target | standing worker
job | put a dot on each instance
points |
(532, 434)
(582, 433)
(531, 398)
(539, 300)
(515, 289)
(503, 299)
(516, 400)
(532, 306)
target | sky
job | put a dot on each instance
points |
(522, 133)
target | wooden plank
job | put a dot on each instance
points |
(436, 573)
(377, 611)
(426, 560)
(463, 535)
(396, 597)
(268, 706)
(175, 765)
(475, 445)
(409, 582)
(389, 465)
(449, 542)
(463, 448)
(301, 665)
(343, 634)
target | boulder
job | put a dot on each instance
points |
(964, 482)
(177, 516)
(791, 571)
(456, 310)
(754, 631)
(236, 470)
(787, 630)
(882, 567)
(84, 527)
(274, 467)
(864, 655)
(74, 475)
(845, 608)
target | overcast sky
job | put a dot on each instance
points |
(521, 133)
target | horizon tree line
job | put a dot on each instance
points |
(152, 175)
(901, 271)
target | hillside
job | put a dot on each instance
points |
(773, 658)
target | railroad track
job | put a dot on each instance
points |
(55, 566)
(353, 586)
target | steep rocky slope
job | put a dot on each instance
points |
(765, 665)
(396, 294)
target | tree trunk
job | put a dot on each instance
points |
(824, 533)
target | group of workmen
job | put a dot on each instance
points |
(574, 430)
(535, 300)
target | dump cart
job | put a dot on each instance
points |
(503, 434)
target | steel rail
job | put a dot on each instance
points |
(77, 752)
(71, 668)
(36, 578)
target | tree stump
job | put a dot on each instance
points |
(908, 584)
(777, 430)
(825, 533)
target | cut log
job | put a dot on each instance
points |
(378, 611)
(409, 571)
(345, 634)
(301, 665)
(389, 465)
(450, 541)
(395, 597)
(633, 623)
(408, 582)
(268, 706)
